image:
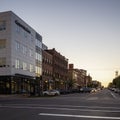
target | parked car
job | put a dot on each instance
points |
(51, 93)
(117, 90)
(85, 89)
(93, 90)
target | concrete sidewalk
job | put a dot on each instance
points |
(14, 96)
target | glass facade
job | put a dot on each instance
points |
(38, 68)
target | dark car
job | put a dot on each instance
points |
(85, 89)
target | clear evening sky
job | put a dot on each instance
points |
(87, 32)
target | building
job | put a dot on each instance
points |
(38, 83)
(88, 81)
(83, 74)
(72, 77)
(77, 77)
(96, 84)
(47, 70)
(20, 56)
(60, 70)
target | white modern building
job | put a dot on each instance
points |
(20, 55)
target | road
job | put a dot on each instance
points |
(102, 105)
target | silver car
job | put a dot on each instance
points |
(51, 93)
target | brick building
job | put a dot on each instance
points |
(47, 70)
(77, 77)
(60, 69)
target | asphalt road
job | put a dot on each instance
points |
(102, 105)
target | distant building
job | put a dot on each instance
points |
(20, 56)
(72, 77)
(96, 84)
(88, 81)
(77, 77)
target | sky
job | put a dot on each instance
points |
(87, 32)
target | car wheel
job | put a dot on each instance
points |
(45, 94)
(56, 94)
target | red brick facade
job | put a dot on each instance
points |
(60, 69)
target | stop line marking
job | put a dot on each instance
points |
(79, 116)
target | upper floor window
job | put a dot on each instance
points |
(2, 25)
(17, 29)
(31, 68)
(17, 46)
(31, 53)
(2, 44)
(19, 25)
(39, 43)
(24, 49)
(38, 57)
(24, 66)
(17, 63)
(2, 61)
(25, 34)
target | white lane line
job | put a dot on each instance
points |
(58, 108)
(113, 95)
(61, 106)
(79, 116)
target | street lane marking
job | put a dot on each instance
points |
(113, 95)
(59, 108)
(79, 116)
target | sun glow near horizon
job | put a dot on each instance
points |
(103, 76)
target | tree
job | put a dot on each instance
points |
(116, 82)
(110, 85)
(71, 83)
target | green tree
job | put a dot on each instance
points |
(71, 83)
(116, 82)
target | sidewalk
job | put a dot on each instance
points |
(14, 96)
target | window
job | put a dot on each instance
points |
(25, 34)
(38, 57)
(2, 62)
(38, 71)
(31, 53)
(17, 63)
(32, 38)
(17, 29)
(38, 43)
(2, 25)
(17, 46)
(24, 49)
(24, 66)
(31, 68)
(2, 44)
